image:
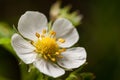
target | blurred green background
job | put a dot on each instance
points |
(99, 34)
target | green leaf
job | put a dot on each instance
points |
(72, 77)
(4, 41)
(5, 30)
(75, 74)
(87, 76)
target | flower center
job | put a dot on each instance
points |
(47, 47)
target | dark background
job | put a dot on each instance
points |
(99, 34)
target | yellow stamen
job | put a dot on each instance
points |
(37, 34)
(61, 40)
(43, 31)
(47, 47)
(53, 59)
(48, 55)
(62, 50)
(32, 42)
(60, 56)
(57, 53)
(45, 57)
(42, 36)
(53, 33)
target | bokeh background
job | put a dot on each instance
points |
(99, 34)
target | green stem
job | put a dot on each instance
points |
(50, 25)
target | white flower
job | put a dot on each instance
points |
(48, 50)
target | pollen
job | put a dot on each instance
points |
(52, 33)
(47, 46)
(37, 34)
(61, 40)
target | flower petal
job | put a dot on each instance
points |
(73, 58)
(49, 68)
(64, 29)
(23, 49)
(30, 23)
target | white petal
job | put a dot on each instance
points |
(30, 23)
(49, 68)
(64, 29)
(73, 58)
(23, 49)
